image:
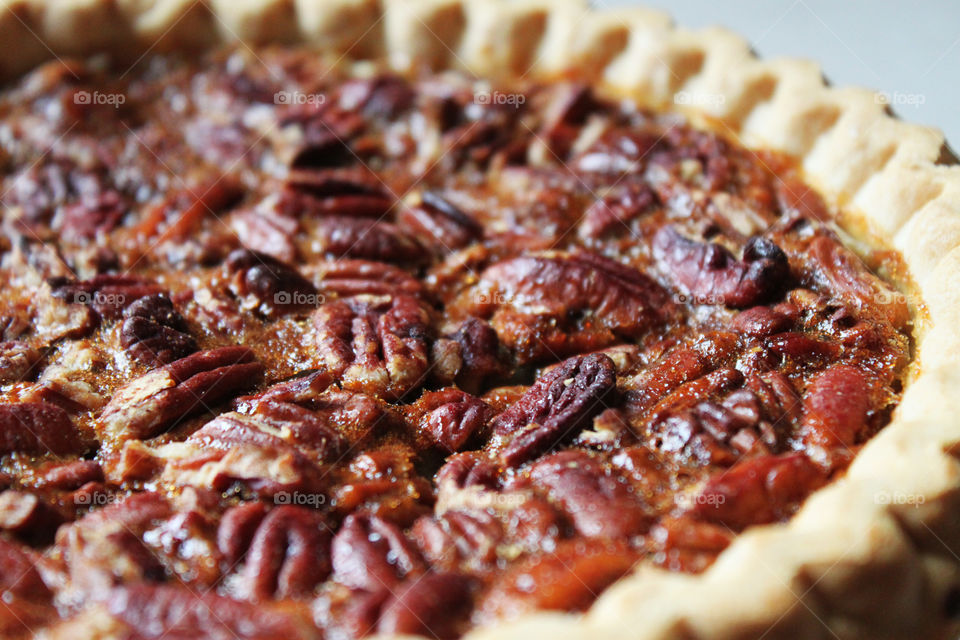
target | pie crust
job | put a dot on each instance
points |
(873, 554)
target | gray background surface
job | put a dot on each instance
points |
(908, 49)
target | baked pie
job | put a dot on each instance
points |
(334, 319)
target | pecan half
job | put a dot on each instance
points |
(377, 344)
(288, 554)
(459, 536)
(568, 579)
(437, 604)
(319, 192)
(27, 599)
(153, 612)
(26, 516)
(107, 294)
(268, 285)
(93, 215)
(441, 223)
(154, 332)
(272, 235)
(756, 491)
(154, 402)
(274, 424)
(556, 408)
(835, 410)
(38, 428)
(709, 273)
(449, 418)
(471, 356)
(558, 304)
(598, 502)
(345, 277)
(372, 554)
(348, 237)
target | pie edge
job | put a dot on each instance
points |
(854, 558)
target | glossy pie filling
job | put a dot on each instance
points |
(400, 354)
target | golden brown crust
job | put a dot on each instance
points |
(872, 555)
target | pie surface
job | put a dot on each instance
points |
(403, 354)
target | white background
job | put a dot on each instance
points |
(901, 47)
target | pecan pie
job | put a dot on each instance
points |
(444, 322)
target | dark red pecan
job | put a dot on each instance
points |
(106, 546)
(713, 432)
(566, 112)
(24, 515)
(459, 536)
(764, 321)
(267, 285)
(38, 428)
(372, 554)
(835, 410)
(679, 366)
(274, 423)
(440, 223)
(449, 418)
(236, 530)
(599, 503)
(470, 356)
(614, 213)
(92, 215)
(332, 181)
(801, 349)
(558, 304)
(367, 239)
(617, 151)
(556, 408)
(86, 202)
(756, 491)
(155, 401)
(40, 189)
(152, 612)
(777, 397)
(267, 234)
(26, 603)
(135, 513)
(18, 361)
(709, 274)
(346, 278)
(478, 141)
(288, 554)
(107, 294)
(825, 263)
(317, 416)
(181, 212)
(688, 544)
(303, 388)
(72, 475)
(466, 469)
(568, 579)
(385, 484)
(352, 192)
(383, 96)
(19, 575)
(185, 544)
(690, 393)
(437, 604)
(154, 332)
(267, 469)
(376, 344)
